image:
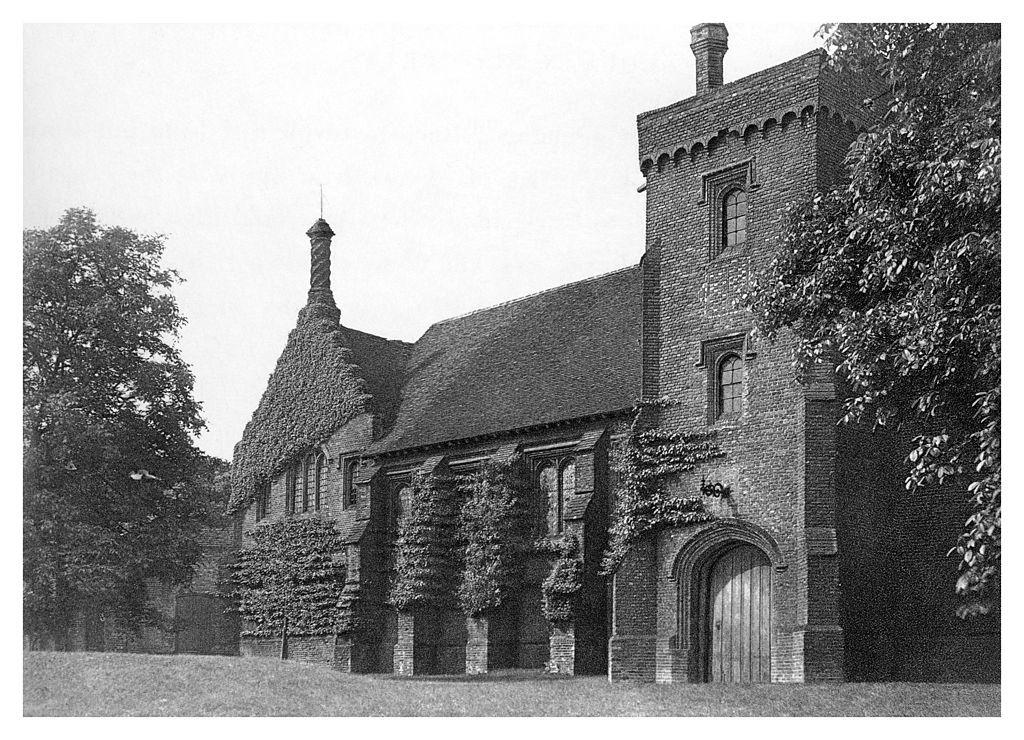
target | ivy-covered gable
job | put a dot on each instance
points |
(315, 388)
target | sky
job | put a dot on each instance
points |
(461, 166)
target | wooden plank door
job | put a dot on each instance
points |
(739, 609)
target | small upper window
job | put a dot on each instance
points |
(307, 481)
(734, 219)
(730, 386)
(566, 487)
(547, 481)
(402, 499)
(321, 480)
(262, 500)
(290, 476)
(350, 495)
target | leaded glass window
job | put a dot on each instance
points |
(734, 219)
(730, 386)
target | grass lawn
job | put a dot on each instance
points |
(125, 684)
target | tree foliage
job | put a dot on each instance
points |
(892, 276)
(114, 487)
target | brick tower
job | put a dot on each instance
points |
(721, 168)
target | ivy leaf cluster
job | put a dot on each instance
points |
(294, 572)
(642, 504)
(494, 527)
(428, 555)
(562, 586)
(314, 389)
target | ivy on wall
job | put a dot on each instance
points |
(293, 573)
(348, 616)
(428, 556)
(562, 587)
(642, 505)
(494, 529)
(314, 390)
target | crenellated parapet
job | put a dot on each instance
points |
(780, 119)
(800, 91)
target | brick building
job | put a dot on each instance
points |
(815, 566)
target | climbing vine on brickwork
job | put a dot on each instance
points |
(294, 571)
(428, 552)
(348, 617)
(642, 504)
(314, 390)
(562, 587)
(494, 527)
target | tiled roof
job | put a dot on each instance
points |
(565, 353)
(381, 363)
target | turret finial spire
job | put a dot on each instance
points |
(320, 294)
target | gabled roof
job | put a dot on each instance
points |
(565, 353)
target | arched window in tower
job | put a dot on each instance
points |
(734, 219)
(321, 481)
(547, 482)
(730, 386)
(566, 487)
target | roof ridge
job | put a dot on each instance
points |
(375, 336)
(510, 301)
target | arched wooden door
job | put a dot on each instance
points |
(739, 612)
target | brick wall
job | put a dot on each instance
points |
(898, 605)
(862, 588)
(763, 134)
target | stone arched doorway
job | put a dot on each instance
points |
(735, 629)
(725, 577)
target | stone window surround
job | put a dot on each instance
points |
(560, 458)
(712, 351)
(715, 185)
(349, 490)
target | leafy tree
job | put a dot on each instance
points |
(893, 275)
(114, 487)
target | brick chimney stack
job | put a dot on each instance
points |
(709, 42)
(320, 295)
